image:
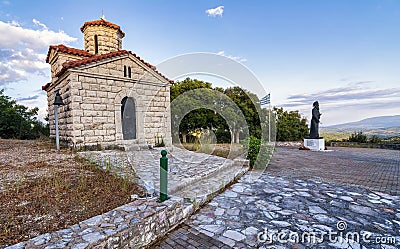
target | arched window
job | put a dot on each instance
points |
(128, 116)
(124, 71)
(129, 72)
(96, 45)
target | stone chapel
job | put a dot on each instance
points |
(111, 96)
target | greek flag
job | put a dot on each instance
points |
(266, 100)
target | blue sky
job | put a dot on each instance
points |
(346, 54)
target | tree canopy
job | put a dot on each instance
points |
(18, 121)
(200, 106)
(290, 125)
(230, 112)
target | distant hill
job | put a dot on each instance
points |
(384, 126)
(370, 123)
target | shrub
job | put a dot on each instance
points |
(375, 139)
(159, 141)
(358, 137)
(258, 152)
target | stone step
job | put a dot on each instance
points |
(203, 189)
(228, 166)
(136, 147)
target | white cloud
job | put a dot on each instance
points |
(23, 50)
(14, 36)
(350, 102)
(37, 23)
(236, 58)
(218, 11)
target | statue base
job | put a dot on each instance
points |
(315, 144)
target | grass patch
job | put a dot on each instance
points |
(230, 151)
(43, 190)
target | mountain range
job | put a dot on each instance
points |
(383, 126)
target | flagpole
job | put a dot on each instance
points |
(269, 120)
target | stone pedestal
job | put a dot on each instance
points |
(314, 143)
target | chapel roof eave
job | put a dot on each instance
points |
(102, 22)
(68, 50)
(95, 58)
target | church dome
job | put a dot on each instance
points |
(102, 37)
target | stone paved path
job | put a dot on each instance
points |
(348, 198)
(190, 175)
(374, 169)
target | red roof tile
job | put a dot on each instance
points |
(67, 50)
(77, 63)
(45, 86)
(102, 22)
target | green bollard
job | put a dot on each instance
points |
(163, 176)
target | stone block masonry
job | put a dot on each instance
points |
(144, 221)
(95, 84)
(133, 225)
(92, 114)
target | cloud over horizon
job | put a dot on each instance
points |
(23, 50)
(340, 101)
(218, 11)
(358, 92)
(236, 58)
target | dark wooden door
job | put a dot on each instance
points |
(128, 115)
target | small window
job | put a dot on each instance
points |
(96, 45)
(124, 71)
(119, 45)
(129, 72)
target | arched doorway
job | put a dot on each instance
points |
(128, 118)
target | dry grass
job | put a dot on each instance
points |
(230, 151)
(42, 190)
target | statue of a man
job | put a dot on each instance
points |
(315, 121)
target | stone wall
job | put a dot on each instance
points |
(65, 114)
(108, 39)
(57, 61)
(133, 225)
(387, 146)
(93, 95)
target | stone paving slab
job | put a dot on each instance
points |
(310, 195)
(185, 167)
(252, 214)
(375, 169)
(135, 225)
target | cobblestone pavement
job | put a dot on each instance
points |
(341, 199)
(374, 169)
(185, 167)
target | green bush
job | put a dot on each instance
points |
(258, 152)
(159, 141)
(375, 139)
(18, 121)
(358, 137)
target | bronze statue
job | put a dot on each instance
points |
(315, 121)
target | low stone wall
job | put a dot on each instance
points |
(366, 145)
(288, 144)
(133, 225)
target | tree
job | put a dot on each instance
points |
(374, 139)
(224, 111)
(245, 101)
(18, 121)
(197, 118)
(186, 85)
(358, 137)
(290, 126)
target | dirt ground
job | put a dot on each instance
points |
(44, 190)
